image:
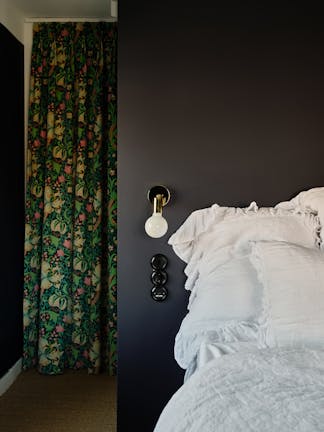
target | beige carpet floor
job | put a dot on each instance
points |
(72, 402)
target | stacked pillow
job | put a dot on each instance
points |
(312, 199)
(292, 277)
(224, 249)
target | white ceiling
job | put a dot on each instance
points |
(64, 8)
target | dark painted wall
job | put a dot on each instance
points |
(222, 105)
(12, 198)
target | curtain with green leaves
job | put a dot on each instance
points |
(70, 240)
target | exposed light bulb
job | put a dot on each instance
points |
(156, 226)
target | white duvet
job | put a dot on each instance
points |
(275, 390)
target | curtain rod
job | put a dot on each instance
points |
(74, 19)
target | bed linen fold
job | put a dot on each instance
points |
(265, 390)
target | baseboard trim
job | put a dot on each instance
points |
(10, 377)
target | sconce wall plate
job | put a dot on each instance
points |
(159, 190)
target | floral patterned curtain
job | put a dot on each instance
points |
(70, 244)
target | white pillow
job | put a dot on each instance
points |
(293, 281)
(226, 308)
(226, 288)
(225, 305)
(210, 230)
(312, 199)
(218, 227)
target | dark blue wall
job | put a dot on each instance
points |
(222, 104)
(11, 198)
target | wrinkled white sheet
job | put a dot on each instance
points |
(269, 390)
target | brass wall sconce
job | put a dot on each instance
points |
(156, 226)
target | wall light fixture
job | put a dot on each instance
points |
(156, 226)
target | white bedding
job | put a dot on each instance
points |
(269, 390)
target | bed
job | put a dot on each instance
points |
(252, 342)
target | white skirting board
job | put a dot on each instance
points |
(9, 378)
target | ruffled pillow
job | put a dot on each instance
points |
(226, 308)
(312, 199)
(191, 336)
(211, 230)
(292, 277)
(224, 305)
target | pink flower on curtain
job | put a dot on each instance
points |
(87, 280)
(67, 243)
(68, 169)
